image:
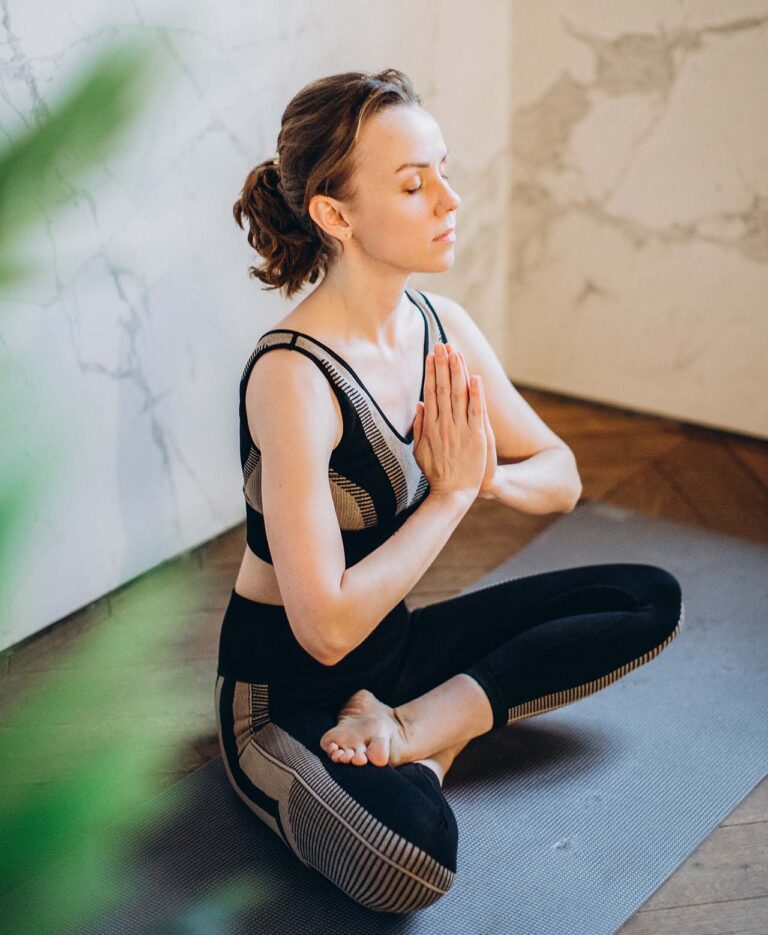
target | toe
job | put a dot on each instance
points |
(360, 758)
(326, 743)
(377, 750)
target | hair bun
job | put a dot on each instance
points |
(318, 131)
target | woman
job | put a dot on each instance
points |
(339, 709)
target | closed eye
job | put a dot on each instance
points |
(412, 191)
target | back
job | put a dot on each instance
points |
(290, 410)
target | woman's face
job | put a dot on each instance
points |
(398, 208)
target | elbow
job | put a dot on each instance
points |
(330, 658)
(321, 648)
(572, 488)
(330, 654)
(570, 505)
(334, 645)
(571, 499)
(574, 499)
(327, 644)
(326, 658)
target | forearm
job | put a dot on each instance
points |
(546, 482)
(373, 586)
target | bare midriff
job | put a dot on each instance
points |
(257, 581)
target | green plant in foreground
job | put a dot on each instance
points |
(63, 830)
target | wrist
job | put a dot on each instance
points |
(462, 497)
(491, 492)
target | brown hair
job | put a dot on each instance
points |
(315, 144)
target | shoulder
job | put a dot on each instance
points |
(287, 369)
(453, 316)
(466, 337)
(461, 330)
(286, 383)
(518, 430)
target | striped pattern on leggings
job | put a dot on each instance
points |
(319, 821)
(387, 836)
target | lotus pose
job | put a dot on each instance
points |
(371, 417)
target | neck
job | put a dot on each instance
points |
(363, 308)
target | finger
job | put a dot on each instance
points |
(466, 374)
(458, 388)
(464, 367)
(488, 427)
(486, 417)
(418, 422)
(430, 390)
(484, 404)
(466, 370)
(475, 402)
(443, 380)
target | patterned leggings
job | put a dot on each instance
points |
(386, 836)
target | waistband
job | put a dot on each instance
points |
(257, 644)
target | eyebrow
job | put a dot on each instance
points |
(419, 165)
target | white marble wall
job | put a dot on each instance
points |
(639, 206)
(132, 337)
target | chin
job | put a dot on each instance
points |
(447, 260)
(431, 264)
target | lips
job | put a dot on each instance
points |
(444, 233)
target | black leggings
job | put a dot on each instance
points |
(386, 836)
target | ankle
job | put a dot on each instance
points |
(404, 722)
(480, 704)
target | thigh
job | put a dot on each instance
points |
(542, 612)
(386, 836)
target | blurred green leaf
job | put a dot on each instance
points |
(38, 168)
(59, 832)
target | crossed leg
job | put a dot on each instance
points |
(508, 651)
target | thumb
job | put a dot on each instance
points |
(418, 422)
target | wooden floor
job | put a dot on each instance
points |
(712, 479)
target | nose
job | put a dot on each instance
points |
(450, 198)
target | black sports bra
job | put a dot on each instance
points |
(375, 481)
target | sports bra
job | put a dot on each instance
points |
(375, 481)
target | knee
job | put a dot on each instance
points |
(409, 877)
(665, 593)
(401, 889)
(666, 587)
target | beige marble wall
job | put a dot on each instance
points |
(639, 206)
(132, 338)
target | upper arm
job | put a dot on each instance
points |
(290, 407)
(518, 430)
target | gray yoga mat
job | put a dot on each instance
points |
(569, 820)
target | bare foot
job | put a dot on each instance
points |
(367, 730)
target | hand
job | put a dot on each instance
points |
(486, 487)
(450, 444)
